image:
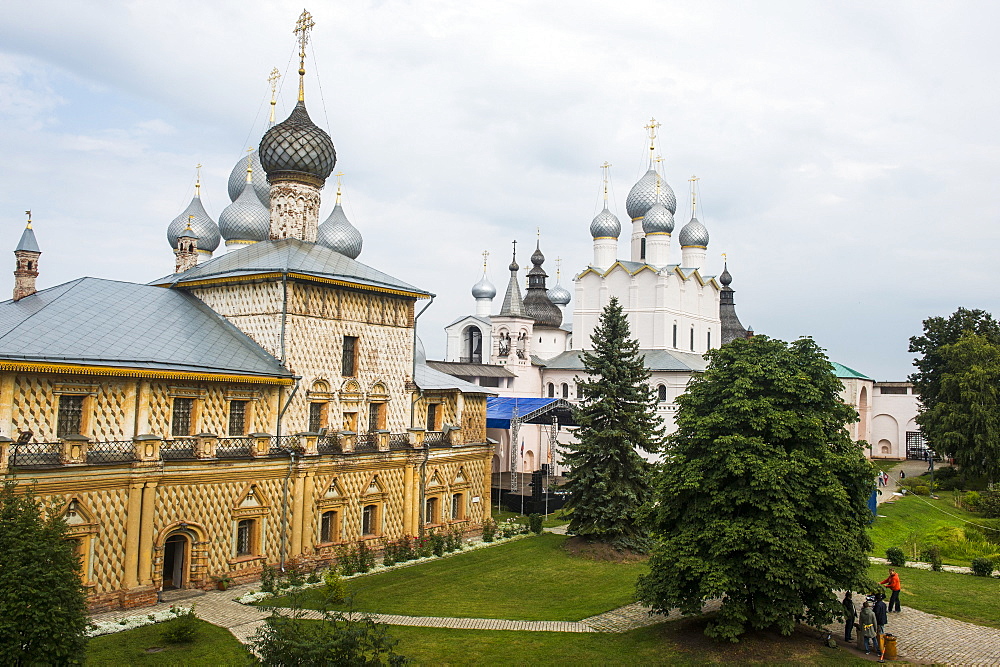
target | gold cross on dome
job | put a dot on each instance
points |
(339, 175)
(651, 129)
(558, 267)
(604, 178)
(302, 28)
(273, 79)
(29, 218)
(197, 179)
(693, 180)
(486, 254)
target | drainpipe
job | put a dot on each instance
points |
(413, 417)
(291, 465)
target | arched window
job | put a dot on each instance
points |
(708, 342)
(552, 390)
(565, 390)
(472, 345)
(642, 248)
(675, 334)
(692, 339)
(661, 393)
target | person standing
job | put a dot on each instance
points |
(867, 621)
(881, 615)
(892, 581)
(850, 615)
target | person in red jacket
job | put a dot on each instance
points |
(892, 581)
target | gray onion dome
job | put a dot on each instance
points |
(643, 195)
(246, 219)
(559, 295)
(658, 219)
(726, 278)
(239, 176)
(337, 233)
(484, 289)
(202, 225)
(297, 149)
(605, 225)
(693, 234)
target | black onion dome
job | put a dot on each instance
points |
(537, 304)
(297, 149)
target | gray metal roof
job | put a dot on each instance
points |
(28, 242)
(108, 323)
(460, 369)
(289, 256)
(429, 379)
(656, 360)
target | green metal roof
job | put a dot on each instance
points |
(842, 371)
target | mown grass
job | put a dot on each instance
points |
(556, 518)
(914, 523)
(960, 596)
(145, 646)
(673, 643)
(533, 579)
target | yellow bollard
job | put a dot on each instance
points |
(890, 646)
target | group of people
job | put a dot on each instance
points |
(874, 617)
(883, 477)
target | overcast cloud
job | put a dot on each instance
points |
(848, 152)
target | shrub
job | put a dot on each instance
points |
(267, 579)
(989, 504)
(489, 530)
(971, 501)
(181, 630)
(895, 556)
(453, 541)
(334, 586)
(313, 577)
(389, 551)
(347, 560)
(423, 547)
(922, 490)
(535, 523)
(982, 567)
(294, 575)
(437, 544)
(366, 558)
(932, 555)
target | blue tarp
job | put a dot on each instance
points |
(501, 409)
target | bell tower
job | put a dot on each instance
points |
(26, 270)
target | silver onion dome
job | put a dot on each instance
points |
(605, 225)
(337, 233)
(559, 295)
(246, 219)
(202, 225)
(484, 289)
(297, 149)
(239, 176)
(658, 219)
(693, 234)
(643, 195)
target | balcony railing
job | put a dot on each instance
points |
(78, 450)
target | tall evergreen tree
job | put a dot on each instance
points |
(762, 501)
(608, 480)
(43, 611)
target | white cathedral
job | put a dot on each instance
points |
(531, 348)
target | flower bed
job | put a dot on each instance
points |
(132, 622)
(256, 596)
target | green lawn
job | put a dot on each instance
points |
(915, 520)
(145, 646)
(533, 579)
(556, 518)
(674, 643)
(960, 596)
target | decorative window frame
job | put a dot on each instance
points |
(460, 484)
(258, 513)
(330, 503)
(85, 530)
(89, 393)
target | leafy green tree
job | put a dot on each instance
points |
(964, 420)
(608, 480)
(762, 500)
(941, 331)
(292, 639)
(43, 610)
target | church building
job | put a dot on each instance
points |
(266, 405)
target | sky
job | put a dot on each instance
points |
(848, 152)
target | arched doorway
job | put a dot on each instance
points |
(176, 555)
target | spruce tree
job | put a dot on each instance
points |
(608, 480)
(762, 502)
(43, 612)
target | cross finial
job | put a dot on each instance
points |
(558, 268)
(515, 250)
(273, 79)
(339, 175)
(250, 164)
(197, 180)
(604, 177)
(302, 28)
(651, 130)
(190, 218)
(724, 257)
(29, 218)
(486, 254)
(693, 180)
